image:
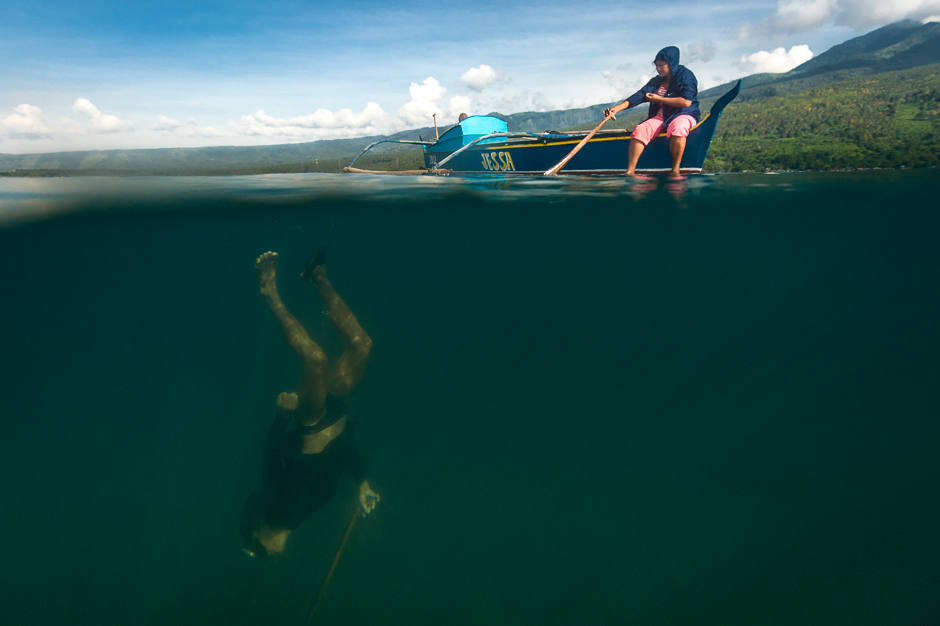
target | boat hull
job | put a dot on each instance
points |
(601, 155)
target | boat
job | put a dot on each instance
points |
(482, 144)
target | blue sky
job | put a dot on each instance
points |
(105, 74)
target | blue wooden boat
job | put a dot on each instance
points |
(482, 144)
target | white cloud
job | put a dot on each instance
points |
(624, 81)
(164, 123)
(617, 82)
(28, 121)
(541, 102)
(864, 13)
(320, 124)
(479, 77)
(703, 52)
(796, 16)
(776, 61)
(458, 105)
(195, 129)
(101, 122)
(524, 101)
(423, 103)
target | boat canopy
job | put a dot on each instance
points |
(483, 125)
(471, 128)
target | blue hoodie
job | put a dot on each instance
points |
(682, 84)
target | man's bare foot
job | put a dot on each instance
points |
(287, 401)
(266, 265)
(316, 275)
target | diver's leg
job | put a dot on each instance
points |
(351, 365)
(676, 149)
(312, 389)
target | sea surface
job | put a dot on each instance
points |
(590, 401)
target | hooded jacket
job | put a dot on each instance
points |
(682, 84)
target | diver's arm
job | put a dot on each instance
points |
(273, 470)
(286, 403)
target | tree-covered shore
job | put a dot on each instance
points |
(888, 120)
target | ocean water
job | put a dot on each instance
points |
(590, 401)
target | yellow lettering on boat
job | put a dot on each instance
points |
(498, 161)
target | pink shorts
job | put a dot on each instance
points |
(678, 127)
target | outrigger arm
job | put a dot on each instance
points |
(437, 166)
(375, 143)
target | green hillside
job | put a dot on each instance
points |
(890, 119)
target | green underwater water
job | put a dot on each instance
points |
(589, 401)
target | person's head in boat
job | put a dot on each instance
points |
(462, 117)
(666, 61)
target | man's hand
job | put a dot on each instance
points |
(367, 498)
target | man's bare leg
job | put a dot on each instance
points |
(351, 365)
(311, 393)
(676, 149)
(633, 156)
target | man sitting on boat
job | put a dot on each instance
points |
(673, 98)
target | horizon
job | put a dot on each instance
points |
(104, 76)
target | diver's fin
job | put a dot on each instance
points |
(319, 258)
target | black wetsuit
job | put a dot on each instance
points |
(296, 485)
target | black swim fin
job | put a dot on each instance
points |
(319, 258)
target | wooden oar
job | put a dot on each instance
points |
(580, 145)
(326, 582)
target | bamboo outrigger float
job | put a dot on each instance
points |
(482, 144)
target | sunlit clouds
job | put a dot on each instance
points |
(799, 16)
(479, 77)
(624, 81)
(321, 122)
(30, 122)
(26, 121)
(101, 122)
(777, 61)
(423, 102)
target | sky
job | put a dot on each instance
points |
(109, 74)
